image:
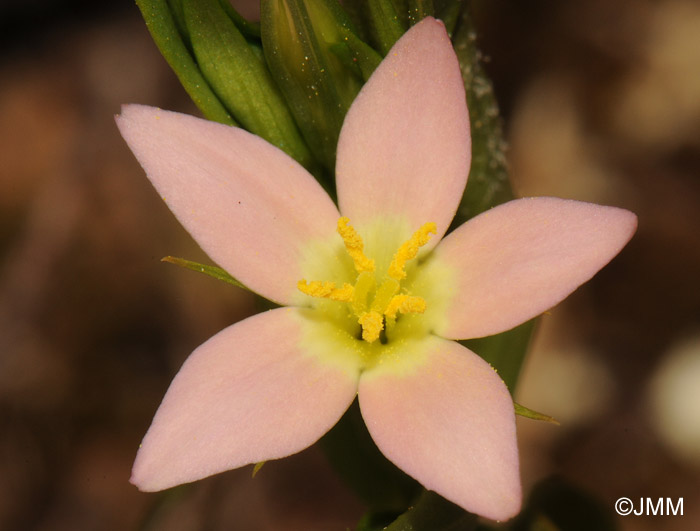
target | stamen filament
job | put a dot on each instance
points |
(365, 283)
(386, 291)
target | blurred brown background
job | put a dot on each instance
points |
(602, 103)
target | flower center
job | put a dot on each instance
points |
(375, 306)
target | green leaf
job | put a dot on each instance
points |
(319, 63)
(240, 77)
(212, 271)
(162, 26)
(534, 415)
(432, 512)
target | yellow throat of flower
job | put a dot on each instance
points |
(386, 300)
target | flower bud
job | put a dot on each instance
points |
(238, 75)
(319, 63)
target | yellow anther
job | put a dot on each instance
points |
(409, 250)
(343, 294)
(404, 304)
(372, 325)
(354, 246)
(326, 290)
(375, 305)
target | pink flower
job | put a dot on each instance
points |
(371, 304)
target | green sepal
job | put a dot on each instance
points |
(162, 25)
(432, 512)
(179, 17)
(449, 12)
(357, 460)
(246, 27)
(532, 414)
(319, 63)
(355, 53)
(212, 271)
(488, 183)
(240, 78)
(250, 29)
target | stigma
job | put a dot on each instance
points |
(375, 306)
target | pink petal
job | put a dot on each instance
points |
(404, 149)
(248, 204)
(247, 395)
(519, 259)
(449, 423)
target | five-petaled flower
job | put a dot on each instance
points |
(373, 297)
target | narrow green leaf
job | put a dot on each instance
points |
(534, 415)
(432, 512)
(257, 468)
(162, 26)
(240, 78)
(212, 271)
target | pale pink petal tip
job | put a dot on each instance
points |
(519, 259)
(248, 394)
(250, 206)
(449, 424)
(408, 126)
